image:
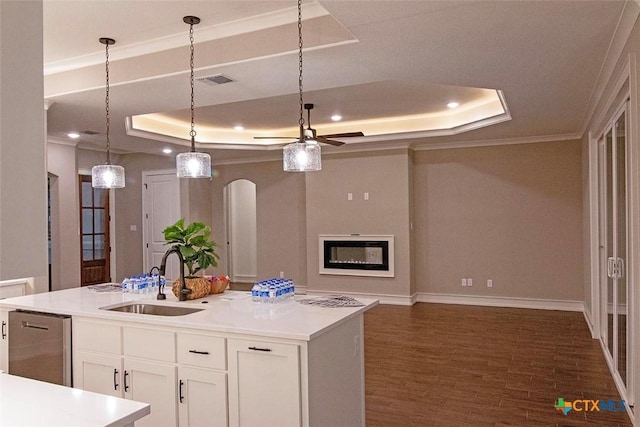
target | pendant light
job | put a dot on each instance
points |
(107, 175)
(304, 154)
(193, 164)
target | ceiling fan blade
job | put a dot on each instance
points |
(324, 140)
(342, 135)
(275, 137)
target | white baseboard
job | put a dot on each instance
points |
(534, 303)
(587, 319)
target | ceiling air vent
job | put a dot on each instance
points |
(218, 79)
(89, 132)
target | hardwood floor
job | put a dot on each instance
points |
(452, 365)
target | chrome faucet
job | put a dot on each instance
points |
(184, 291)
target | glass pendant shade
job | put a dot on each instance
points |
(302, 157)
(193, 165)
(107, 176)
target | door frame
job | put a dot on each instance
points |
(624, 90)
(112, 227)
(145, 231)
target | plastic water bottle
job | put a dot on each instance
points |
(136, 284)
(272, 293)
(264, 292)
(255, 292)
(125, 285)
(155, 282)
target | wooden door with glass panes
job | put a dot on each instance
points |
(94, 226)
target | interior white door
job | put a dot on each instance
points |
(614, 247)
(160, 208)
(242, 230)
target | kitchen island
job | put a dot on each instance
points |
(235, 362)
(27, 403)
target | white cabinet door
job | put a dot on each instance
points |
(98, 372)
(203, 397)
(153, 383)
(4, 341)
(264, 384)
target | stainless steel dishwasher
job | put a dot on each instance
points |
(40, 346)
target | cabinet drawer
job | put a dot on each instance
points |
(100, 337)
(150, 344)
(202, 350)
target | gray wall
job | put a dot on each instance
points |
(385, 176)
(23, 176)
(512, 214)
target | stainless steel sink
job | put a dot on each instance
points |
(152, 309)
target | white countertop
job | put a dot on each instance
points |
(28, 403)
(231, 312)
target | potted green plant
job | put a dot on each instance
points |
(197, 249)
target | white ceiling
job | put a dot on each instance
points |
(365, 60)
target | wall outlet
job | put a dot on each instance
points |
(349, 196)
(282, 274)
(469, 282)
(366, 196)
(489, 283)
(464, 282)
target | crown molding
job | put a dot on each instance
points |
(60, 141)
(495, 142)
(616, 46)
(205, 34)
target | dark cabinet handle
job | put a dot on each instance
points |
(4, 330)
(126, 386)
(115, 379)
(181, 396)
(198, 352)
(259, 349)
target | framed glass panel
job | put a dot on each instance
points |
(99, 247)
(98, 221)
(621, 245)
(87, 248)
(86, 195)
(609, 242)
(87, 221)
(99, 197)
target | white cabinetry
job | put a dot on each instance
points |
(202, 380)
(4, 340)
(264, 384)
(12, 289)
(195, 378)
(130, 362)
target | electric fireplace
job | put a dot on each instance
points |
(356, 255)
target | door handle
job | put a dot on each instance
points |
(26, 324)
(115, 379)
(126, 386)
(259, 349)
(620, 268)
(610, 272)
(180, 395)
(4, 330)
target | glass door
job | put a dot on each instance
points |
(613, 243)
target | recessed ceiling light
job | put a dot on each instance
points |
(167, 151)
(336, 117)
(453, 104)
(238, 128)
(73, 135)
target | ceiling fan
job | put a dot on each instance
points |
(310, 134)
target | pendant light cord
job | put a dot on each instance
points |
(301, 120)
(108, 121)
(193, 131)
